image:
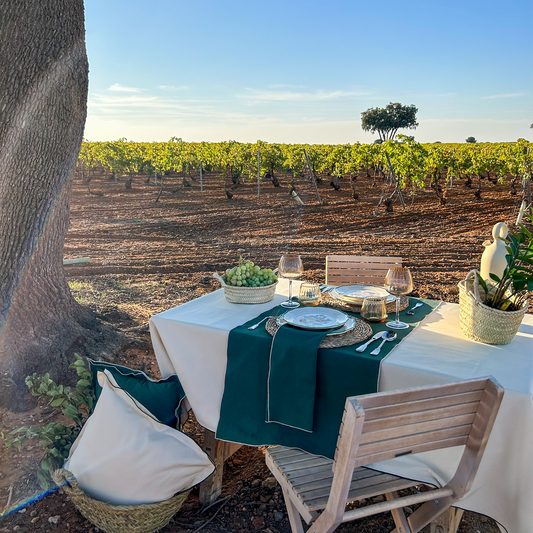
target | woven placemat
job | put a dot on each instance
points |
(328, 300)
(359, 333)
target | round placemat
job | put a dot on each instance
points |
(359, 333)
(328, 300)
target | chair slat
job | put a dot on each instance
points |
(413, 429)
(409, 395)
(402, 443)
(422, 405)
(410, 450)
(410, 418)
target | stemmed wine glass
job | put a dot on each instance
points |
(398, 282)
(291, 267)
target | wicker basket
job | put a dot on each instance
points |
(247, 295)
(145, 518)
(483, 323)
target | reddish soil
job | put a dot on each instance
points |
(146, 257)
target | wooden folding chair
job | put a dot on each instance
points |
(382, 426)
(348, 269)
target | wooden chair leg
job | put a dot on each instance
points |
(447, 522)
(218, 451)
(402, 526)
(294, 516)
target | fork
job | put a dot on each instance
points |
(257, 324)
(412, 310)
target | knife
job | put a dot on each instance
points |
(363, 347)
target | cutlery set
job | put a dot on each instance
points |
(386, 336)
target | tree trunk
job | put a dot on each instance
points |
(43, 103)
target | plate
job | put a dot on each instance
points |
(357, 293)
(348, 326)
(322, 318)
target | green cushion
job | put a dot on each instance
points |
(162, 398)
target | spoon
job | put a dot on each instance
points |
(412, 310)
(387, 337)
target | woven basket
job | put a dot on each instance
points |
(483, 323)
(145, 518)
(247, 295)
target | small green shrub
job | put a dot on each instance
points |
(56, 439)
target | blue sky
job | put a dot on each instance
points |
(302, 72)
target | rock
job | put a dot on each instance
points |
(22, 511)
(35, 519)
(256, 483)
(258, 522)
(262, 507)
(33, 513)
(16, 528)
(483, 518)
(238, 462)
(54, 519)
(264, 499)
(378, 499)
(278, 516)
(270, 483)
(407, 511)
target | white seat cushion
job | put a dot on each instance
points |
(125, 456)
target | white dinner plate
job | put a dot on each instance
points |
(357, 293)
(350, 324)
(320, 318)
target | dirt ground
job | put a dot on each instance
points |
(146, 257)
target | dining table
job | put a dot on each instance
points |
(192, 339)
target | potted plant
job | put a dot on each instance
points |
(491, 311)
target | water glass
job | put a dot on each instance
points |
(374, 309)
(309, 294)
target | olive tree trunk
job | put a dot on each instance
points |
(43, 105)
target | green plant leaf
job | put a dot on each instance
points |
(83, 384)
(494, 277)
(57, 402)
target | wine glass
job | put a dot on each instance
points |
(290, 267)
(398, 282)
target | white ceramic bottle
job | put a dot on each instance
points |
(493, 258)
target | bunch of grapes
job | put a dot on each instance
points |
(249, 275)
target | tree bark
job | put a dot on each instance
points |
(43, 106)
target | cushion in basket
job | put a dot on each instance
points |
(125, 456)
(162, 398)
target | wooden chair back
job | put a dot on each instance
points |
(348, 269)
(382, 426)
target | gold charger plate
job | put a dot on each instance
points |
(359, 333)
(328, 300)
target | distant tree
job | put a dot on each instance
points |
(471, 140)
(387, 121)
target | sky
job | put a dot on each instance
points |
(302, 72)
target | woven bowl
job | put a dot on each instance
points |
(247, 295)
(145, 518)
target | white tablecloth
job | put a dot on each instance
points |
(191, 341)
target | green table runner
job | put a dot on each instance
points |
(340, 372)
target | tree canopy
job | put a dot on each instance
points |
(471, 140)
(387, 121)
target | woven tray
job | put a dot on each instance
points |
(359, 333)
(328, 300)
